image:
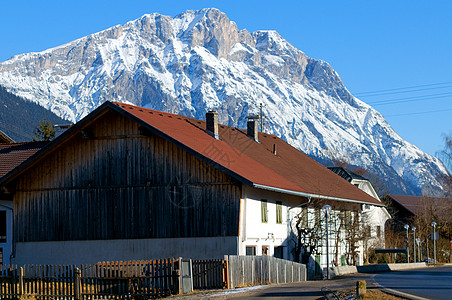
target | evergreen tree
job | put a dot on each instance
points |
(44, 132)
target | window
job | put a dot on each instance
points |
(264, 212)
(264, 250)
(304, 217)
(2, 226)
(317, 217)
(1, 256)
(348, 219)
(368, 231)
(278, 212)
(250, 250)
(378, 231)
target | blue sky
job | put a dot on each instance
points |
(373, 45)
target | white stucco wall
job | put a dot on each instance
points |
(7, 247)
(254, 232)
(374, 216)
(87, 252)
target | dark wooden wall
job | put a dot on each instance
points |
(118, 183)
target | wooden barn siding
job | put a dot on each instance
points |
(120, 185)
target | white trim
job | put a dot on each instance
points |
(274, 189)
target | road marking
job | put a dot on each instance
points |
(396, 293)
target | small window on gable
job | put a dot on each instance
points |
(264, 211)
(278, 212)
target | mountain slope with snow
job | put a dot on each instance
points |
(200, 60)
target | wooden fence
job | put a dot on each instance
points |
(256, 270)
(112, 280)
(210, 274)
(144, 279)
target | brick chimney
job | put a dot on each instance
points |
(251, 129)
(212, 124)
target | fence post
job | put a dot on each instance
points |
(226, 273)
(21, 281)
(179, 275)
(77, 284)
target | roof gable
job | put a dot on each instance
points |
(236, 154)
(5, 139)
(347, 174)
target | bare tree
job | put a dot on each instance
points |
(440, 211)
(309, 234)
(446, 156)
(355, 233)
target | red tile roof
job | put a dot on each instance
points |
(12, 155)
(289, 170)
(253, 163)
(415, 203)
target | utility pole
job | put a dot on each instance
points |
(434, 243)
(407, 244)
(414, 243)
(327, 208)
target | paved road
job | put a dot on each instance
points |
(431, 283)
(308, 290)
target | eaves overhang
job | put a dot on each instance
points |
(311, 195)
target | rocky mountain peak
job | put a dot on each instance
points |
(200, 60)
(210, 29)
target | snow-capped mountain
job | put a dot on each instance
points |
(200, 60)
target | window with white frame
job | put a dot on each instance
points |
(278, 212)
(264, 211)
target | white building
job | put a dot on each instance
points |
(373, 217)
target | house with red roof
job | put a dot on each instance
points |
(129, 183)
(11, 156)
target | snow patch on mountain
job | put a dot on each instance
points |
(200, 60)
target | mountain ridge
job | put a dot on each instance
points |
(200, 60)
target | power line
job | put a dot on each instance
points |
(410, 99)
(419, 113)
(402, 92)
(403, 88)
